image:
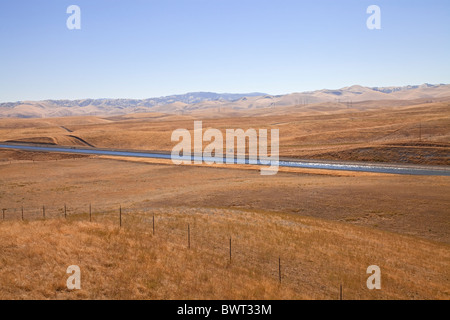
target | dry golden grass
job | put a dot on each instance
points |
(130, 263)
(413, 205)
(378, 133)
(326, 226)
(116, 265)
(266, 218)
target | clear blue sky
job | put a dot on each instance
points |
(141, 49)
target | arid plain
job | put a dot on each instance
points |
(325, 227)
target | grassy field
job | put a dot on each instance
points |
(317, 256)
(326, 227)
(407, 134)
(323, 236)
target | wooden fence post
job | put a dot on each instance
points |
(279, 269)
(90, 213)
(3, 215)
(22, 213)
(153, 224)
(120, 216)
(65, 211)
(43, 211)
(189, 237)
(230, 249)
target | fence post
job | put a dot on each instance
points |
(279, 269)
(230, 249)
(120, 216)
(22, 213)
(43, 211)
(153, 224)
(3, 215)
(189, 237)
(90, 213)
(65, 211)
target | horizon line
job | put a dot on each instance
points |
(230, 93)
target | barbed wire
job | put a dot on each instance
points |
(179, 229)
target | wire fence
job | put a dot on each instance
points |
(184, 230)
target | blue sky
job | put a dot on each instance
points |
(142, 49)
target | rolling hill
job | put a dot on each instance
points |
(198, 101)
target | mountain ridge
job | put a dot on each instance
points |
(190, 101)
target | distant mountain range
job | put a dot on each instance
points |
(188, 98)
(203, 100)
